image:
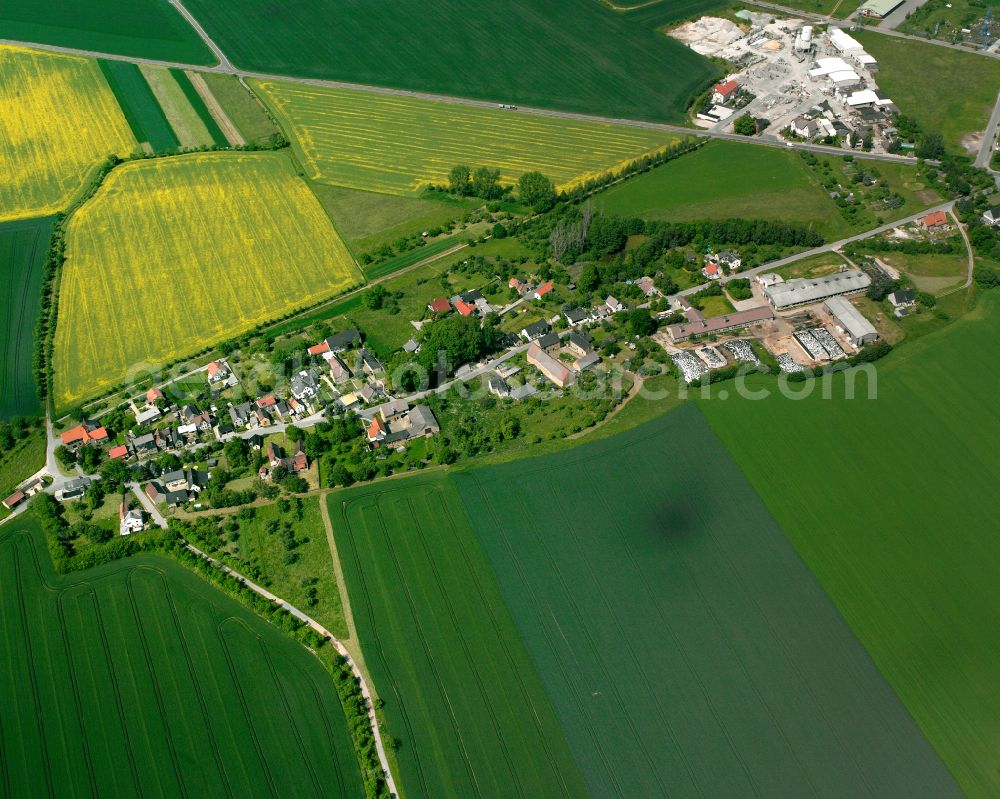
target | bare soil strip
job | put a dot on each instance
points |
(234, 137)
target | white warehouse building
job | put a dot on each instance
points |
(803, 291)
(849, 319)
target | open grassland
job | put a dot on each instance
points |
(197, 103)
(366, 219)
(395, 144)
(58, 120)
(458, 685)
(565, 54)
(23, 247)
(140, 679)
(946, 91)
(176, 254)
(931, 272)
(146, 28)
(686, 648)
(725, 179)
(244, 110)
(891, 503)
(141, 108)
(190, 130)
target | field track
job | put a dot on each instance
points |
(139, 679)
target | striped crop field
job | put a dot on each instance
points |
(176, 254)
(138, 679)
(58, 120)
(396, 145)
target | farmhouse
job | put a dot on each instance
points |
(725, 91)
(550, 342)
(992, 215)
(543, 289)
(463, 307)
(580, 343)
(719, 324)
(557, 373)
(803, 291)
(536, 330)
(935, 221)
(902, 299)
(338, 342)
(576, 316)
(396, 422)
(439, 305)
(83, 434)
(858, 329)
(218, 371)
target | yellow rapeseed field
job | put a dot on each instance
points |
(176, 254)
(395, 145)
(58, 119)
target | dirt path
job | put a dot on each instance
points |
(968, 248)
(636, 388)
(233, 136)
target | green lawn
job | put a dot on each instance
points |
(922, 79)
(140, 679)
(813, 266)
(891, 504)
(930, 272)
(459, 687)
(567, 54)
(686, 648)
(25, 458)
(142, 110)
(23, 248)
(725, 179)
(198, 104)
(367, 220)
(242, 108)
(130, 27)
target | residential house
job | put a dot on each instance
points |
(806, 128)
(84, 434)
(647, 286)
(256, 442)
(555, 371)
(498, 386)
(187, 413)
(118, 453)
(935, 222)
(394, 410)
(543, 289)
(130, 521)
(411, 346)
(550, 342)
(587, 360)
(240, 414)
(463, 307)
(224, 429)
(395, 423)
(175, 498)
(189, 432)
(580, 343)
(724, 92)
(518, 285)
(731, 260)
(576, 316)
(175, 480)
(439, 305)
(536, 330)
(74, 488)
(305, 386)
(613, 305)
(421, 422)
(367, 393)
(155, 492)
(902, 300)
(296, 408)
(147, 416)
(145, 445)
(712, 271)
(153, 395)
(218, 371)
(337, 343)
(991, 216)
(370, 365)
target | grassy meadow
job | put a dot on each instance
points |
(922, 79)
(459, 687)
(686, 648)
(243, 109)
(565, 54)
(144, 28)
(394, 144)
(890, 502)
(174, 255)
(23, 247)
(59, 121)
(139, 679)
(183, 118)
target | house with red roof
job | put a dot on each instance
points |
(724, 91)
(543, 289)
(153, 395)
(464, 308)
(712, 271)
(121, 451)
(936, 221)
(376, 430)
(13, 500)
(439, 305)
(82, 435)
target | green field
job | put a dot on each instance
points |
(23, 247)
(185, 121)
(242, 108)
(566, 54)
(398, 144)
(142, 110)
(366, 219)
(922, 79)
(891, 503)
(931, 272)
(196, 102)
(21, 461)
(687, 650)
(140, 679)
(726, 179)
(130, 27)
(458, 684)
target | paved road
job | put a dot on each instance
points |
(835, 245)
(224, 62)
(341, 650)
(148, 506)
(989, 137)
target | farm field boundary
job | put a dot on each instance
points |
(197, 102)
(187, 125)
(139, 678)
(906, 544)
(23, 248)
(195, 240)
(397, 144)
(142, 110)
(686, 648)
(458, 686)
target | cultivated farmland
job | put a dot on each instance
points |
(176, 254)
(142, 110)
(686, 648)
(576, 55)
(184, 119)
(458, 685)
(395, 144)
(23, 246)
(58, 120)
(146, 28)
(892, 504)
(140, 679)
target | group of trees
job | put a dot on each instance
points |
(482, 182)
(454, 341)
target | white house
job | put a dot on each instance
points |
(992, 215)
